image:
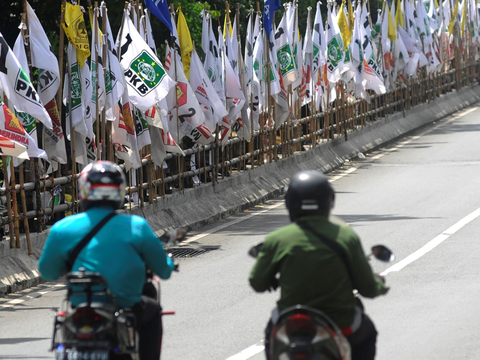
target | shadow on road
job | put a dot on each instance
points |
(23, 357)
(372, 218)
(13, 341)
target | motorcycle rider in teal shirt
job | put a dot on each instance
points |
(121, 250)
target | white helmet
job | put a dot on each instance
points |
(101, 183)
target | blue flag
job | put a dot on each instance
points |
(160, 9)
(269, 7)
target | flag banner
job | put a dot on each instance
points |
(141, 129)
(13, 138)
(269, 8)
(170, 144)
(17, 86)
(27, 120)
(85, 149)
(183, 106)
(149, 32)
(158, 150)
(201, 134)
(54, 139)
(43, 58)
(115, 85)
(160, 9)
(148, 82)
(285, 53)
(96, 72)
(205, 93)
(73, 95)
(319, 43)
(76, 31)
(335, 50)
(186, 45)
(124, 139)
(372, 75)
(306, 90)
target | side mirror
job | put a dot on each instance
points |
(255, 250)
(383, 253)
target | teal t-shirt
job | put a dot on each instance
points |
(121, 251)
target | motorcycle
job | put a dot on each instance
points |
(301, 332)
(97, 329)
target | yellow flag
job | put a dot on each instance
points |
(452, 20)
(344, 29)
(351, 20)
(399, 14)
(227, 23)
(76, 32)
(464, 15)
(185, 40)
(392, 35)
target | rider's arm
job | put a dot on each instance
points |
(262, 276)
(153, 253)
(367, 284)
(52, 262)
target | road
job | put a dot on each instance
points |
(419, 196)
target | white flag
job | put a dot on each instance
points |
(148, 82)
(43, 58)
(17, 86)
(182, 102)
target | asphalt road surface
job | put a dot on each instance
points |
(419, 196)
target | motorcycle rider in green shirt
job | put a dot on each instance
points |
(311, 273)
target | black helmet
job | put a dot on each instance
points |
(309, 193)
(101, 183)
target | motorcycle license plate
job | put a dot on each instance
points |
(83, 355)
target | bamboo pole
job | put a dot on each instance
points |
(15, 207)
(8, 194)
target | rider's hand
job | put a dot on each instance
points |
(273, 286)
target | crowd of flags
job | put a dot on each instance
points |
(231, 88)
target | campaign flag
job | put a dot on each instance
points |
(185, 40)
(148, 82)
(160, 9)
(17, 86)
(76, 31)
(269, 7)
(43, 58)
(182, 102)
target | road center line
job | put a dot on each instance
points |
(432, 244)
(248, 352)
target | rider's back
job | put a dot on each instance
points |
(119, 251)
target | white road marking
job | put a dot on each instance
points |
(248, 352)
(432, 244)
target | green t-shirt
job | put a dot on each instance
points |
(311, 273)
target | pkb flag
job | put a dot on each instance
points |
(147, 80)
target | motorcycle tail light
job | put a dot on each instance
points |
(82, 336)
(300, 322)
(85, 314)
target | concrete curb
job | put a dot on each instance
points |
(197, 207)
